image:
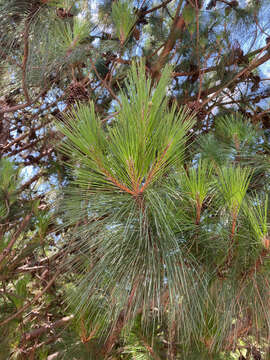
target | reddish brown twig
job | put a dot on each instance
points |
(104, 83)
(25, 58)
(154, 169)
(177, 26)
(30, 181)
(253, 65)
(256, 267)
(229, 257)
(162, 5)
(46, 328)
(23, 106)
(150, 349)
(120, 323)
(26, 306)
(15, 236)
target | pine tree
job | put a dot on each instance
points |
(134, 179)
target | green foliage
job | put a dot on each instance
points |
(197, 182)
(9, 180)
(8, 176)
(133, 154)
(152, 225)
(233, 184)
(237, 131)
(123, 18)
(257, 214)
(70, 36)
(20, 291)
(189, 14)
(125, 168)
(148, 241)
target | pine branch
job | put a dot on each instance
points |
(104, 83)
(257, 266)
(228, 260)
(116, 182)
(42, 292)
(155, 168)
(34, 116)
(216, 67)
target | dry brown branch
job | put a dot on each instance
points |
(15, 236)
(258, 116)
(150, 349)
(120, 323)
(162, 5)
(240, 329)
(23, 136)
(257, 266)
(25, 147)
(176, 28)
(214, 68)
(22, 106)
(47, 328)
(51, 339)
(104, 83)
(33, 301)
(30, 181)
(253, 65)
(110, 116)
(259, 26)
(25, 58)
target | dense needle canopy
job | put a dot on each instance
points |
(134, 179)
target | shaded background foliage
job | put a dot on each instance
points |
(55, 54)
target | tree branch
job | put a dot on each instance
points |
(46, 328)
(22, 106)
(104, 83)
(25, 58)
(26, 306)
(7, 250)
(253, 65)
(162, 5)
(177, 27)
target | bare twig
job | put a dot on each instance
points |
(104, 83)
(120, 323)
(30, 181)
(253, 65)
(22, 106)
(162, 5)
(177, 26)
(23, 136)
(258, 116)
(27, 305)
(259, 26)
(46, 328)
(25, 58)
(7, 250)
(110, 116)
(214, 68)
(150, 349)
